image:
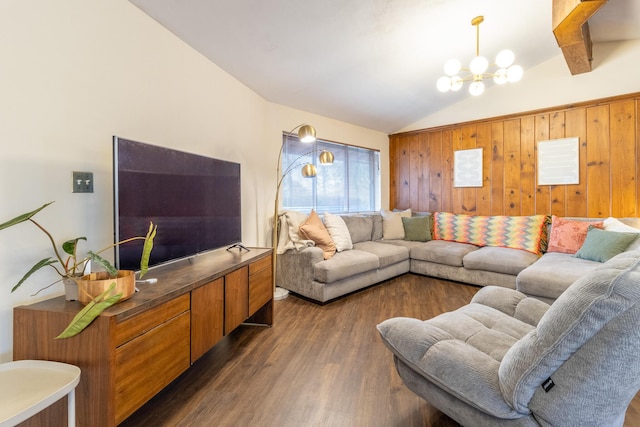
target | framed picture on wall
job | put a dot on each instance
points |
(559, 161)
(467, 168)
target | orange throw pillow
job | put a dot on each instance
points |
(313, 229)
(567, 235)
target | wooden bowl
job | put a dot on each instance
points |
(94, 284)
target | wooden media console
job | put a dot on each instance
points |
(137, 347)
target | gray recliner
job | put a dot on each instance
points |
(507, 359)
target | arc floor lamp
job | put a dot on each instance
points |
(306, 134)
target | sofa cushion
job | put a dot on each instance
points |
(338, 231)
(463, 347)
(514, 303)
(552, 274)
(517, 232)
(360, 227)
(387, 254)
(392, 224)
(499, 260)
(442, 252)
(417, 228)
(567, 235)
(343, 265)
(601, 245)
(409, 244)
(377, 227)
(313, 229)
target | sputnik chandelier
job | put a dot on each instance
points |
(478, 69)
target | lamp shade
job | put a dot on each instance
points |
(505, 58)
(478, 65)
(452, 67)
(326, 157)
(309, 170)
(307, 133)
(500, 77)
(514, 73)
(444, 83)
(456, 83)
(476, 88)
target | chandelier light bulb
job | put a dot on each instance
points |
(500, 76)
(452, 67)
(444, 84)
(479, 65)
(456, 83)
(505, 58)
(514, 73)
(476, 88)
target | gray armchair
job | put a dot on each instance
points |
(507, 359)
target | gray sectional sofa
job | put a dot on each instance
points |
(506, 359)
(302, 269)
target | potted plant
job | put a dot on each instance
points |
(96, 296)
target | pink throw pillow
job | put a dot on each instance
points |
(567, 235)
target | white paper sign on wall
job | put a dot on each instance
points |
(559, 161)
(467, 168)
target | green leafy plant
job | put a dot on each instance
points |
(72, 267)
(90, 312)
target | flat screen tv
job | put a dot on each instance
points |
(193, 199)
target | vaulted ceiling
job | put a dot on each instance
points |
(373, 63)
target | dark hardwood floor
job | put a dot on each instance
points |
(317, 366)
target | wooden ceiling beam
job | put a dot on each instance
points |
(571, 29)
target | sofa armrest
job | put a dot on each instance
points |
(452, 364)
(513, 303)
(295, 267)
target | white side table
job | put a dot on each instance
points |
(29, 386)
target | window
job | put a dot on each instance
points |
(350, 184)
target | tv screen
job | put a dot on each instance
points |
(194, 200)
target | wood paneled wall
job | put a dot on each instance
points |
(609, 131)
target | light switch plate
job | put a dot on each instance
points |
(83, 182)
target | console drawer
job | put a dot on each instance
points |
(262, 264)
(149, 362)
(260, 284)
(145, 321)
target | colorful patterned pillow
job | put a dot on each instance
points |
(527, 233)
(567, 235)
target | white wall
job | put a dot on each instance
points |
(75, 72)
(615, 72)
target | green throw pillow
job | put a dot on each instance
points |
(417, 228)
(601, 245)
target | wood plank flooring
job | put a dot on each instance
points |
(321, 366)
